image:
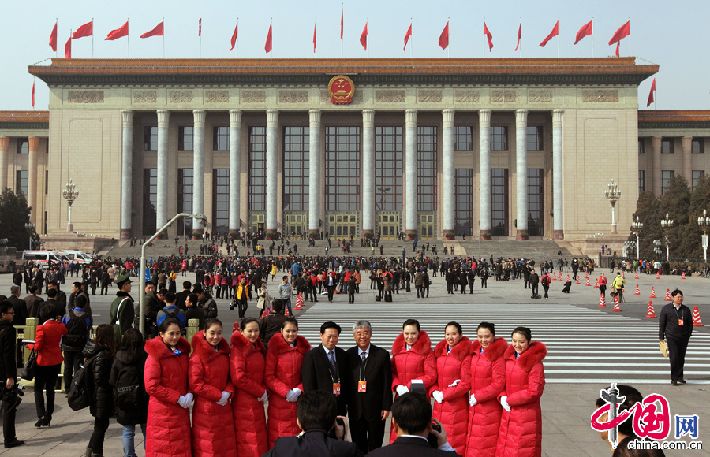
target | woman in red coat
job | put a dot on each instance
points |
(521, 425)
(49, 361)
(450, 391)
(283, 379)
(212, 420)
(486, 377)
(247, 370)
(412, 360)
(166, 382)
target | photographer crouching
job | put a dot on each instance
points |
(8, 375)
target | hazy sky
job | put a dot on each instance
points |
(671, 34)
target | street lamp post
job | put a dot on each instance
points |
(637, 225)
(704, 223)
(666, 225)
(657, 247)
(30, 227)
(70, 194)
(141, 272)
(613, 194)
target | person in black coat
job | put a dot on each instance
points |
(370, 389)
(676, 326)
(325, 367)
(8, 375)
(99, 357)
(78, 325)
(316, 415)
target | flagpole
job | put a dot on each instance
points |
(92, 37)
(128, 38)
(520, 24)
(200, 38)
(411, 38)
(56, 52)
(271, 28)
(484, 43)
(558, 42)
(448, 47)
(342, 27)
(163, 37)
(593, 37)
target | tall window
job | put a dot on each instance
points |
(463, 213)
(667, 146)
(150, 138)
(697, 176)
(642, 181)
(295, 169)
(499, 201)
(257, 168)
(642, 146)
(220, 197)
(536, 201)
(698, 146)
(666, 178)
(534, 138)
(184, 200)
(150, 199)
(23, 146)
(463, 139)
(220, 138)
(22, 183)
(342, 175)
(499, 138)
(426, 168)
(389, 156)
(185, 138)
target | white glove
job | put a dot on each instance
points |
(438, 396)
(455, 383)
(190, 399)
(264, 397)
(184, 400)
(472, 400)
(293, 395)
(224, 399)
(401, 390)
(504, 403)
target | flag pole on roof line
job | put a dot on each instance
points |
(593, 37)
(448, 47)
(411, 47)
(92, 37)
(56, 52)
(128, 39)
(558, 41)
(342, 20)
(163, 37)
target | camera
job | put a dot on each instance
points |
(431, 438)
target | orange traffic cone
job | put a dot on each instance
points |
(616, 308)
(697, 322)
(299, 302)
(266, 312)
(637, 291)
(602, 301)
(596, 283)
(658, 274)
(682, 276)
(650, 314)
(559, 276)
(653, 292)
(578, 281)
(587, 283)
(636, 275)
(668, 295)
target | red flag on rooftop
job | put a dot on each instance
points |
(342, 14)
(84, 30)
(407, 36)
(53, 37)
(33, 95)
(553, 33)
(488, 34)
(584, 31)
(520, 36)
(621, 33)
(444, 37)
(267, 45)
(314, 38)
(651, 93)
(158, 30)
(363, 37)
(67, 47)
(118, 33)
(233, 40)
(616, 52)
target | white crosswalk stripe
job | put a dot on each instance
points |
(584, 345)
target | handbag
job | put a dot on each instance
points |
(663, 346)
(28, 372)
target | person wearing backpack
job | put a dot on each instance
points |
(121, 312)
(206, 302)
(78, 324)
(170, 311)
(99, 357)
(129, 396)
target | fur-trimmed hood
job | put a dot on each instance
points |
(157, 349)
(278, 345)
(422, 346)
(240, 342)
(202, 347)
(494, 350)
(533, 355)
(460, 351)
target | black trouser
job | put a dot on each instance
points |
(10, 402)
(96, 443)
(484, 282)
(104, 289)
(534, 291)
(420, 292)
(351, 296)
(242, 306)
(449, 287)
(330, 289)
(546, 287)
(72, 359)
(470, 286)
(676, 354)
(45, 380)
(367, 435)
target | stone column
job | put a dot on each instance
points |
(4, 152)
(314, 173)
(484, 208)
(126, 174)
(687, 147)
(34, 143)
(368, 173)
(272, 153)
(557, 222)
(235, 129)
(521, 173)
(447, 180)
(162, 191)
(410, 172)
(656, 157)
(198, 172)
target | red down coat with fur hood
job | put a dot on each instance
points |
(417, 363)
(247, 370)
(168, 431)
(453, 411)
(486, 377)
(283, 373)
(521, 429)
(212, 424)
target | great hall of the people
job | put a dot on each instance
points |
(432, 148)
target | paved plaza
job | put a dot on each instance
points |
(588, 348)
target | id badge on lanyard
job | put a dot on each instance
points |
(362, 387)
(336, 389)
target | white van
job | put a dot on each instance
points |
(80, 257)
(42, 258)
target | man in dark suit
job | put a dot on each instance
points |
(181, 296)
(676, 326)
(325, 367)
(412, 417)
(370, 384)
